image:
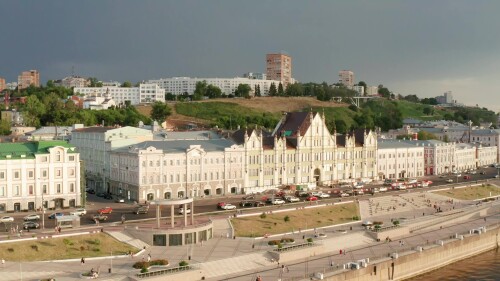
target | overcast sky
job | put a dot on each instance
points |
(412, 47)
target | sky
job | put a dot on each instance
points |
(421, 47)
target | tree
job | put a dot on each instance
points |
(94, 82)
(384, 92)
(294, 90)
(213, 92)
(4, 128)
(272, 90)
(34, 109)
(281, 92)
(243, 90)
(127, 84)
(200, 90)
(363, 84)
(257, 90)
(50, 83)
(411, 98)
(428, 110)
(169, 96)
(423, 135)
(160, 111)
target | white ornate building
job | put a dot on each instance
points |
(145, 93)
(300, 151)
(36, 173)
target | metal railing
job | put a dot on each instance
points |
(295, 246)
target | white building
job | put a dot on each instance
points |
(372, 91)
(465, 157)
(145, 93)
(346, 77)
(486, 155)
(98, 102)
(359, 89)
(181, 85)
(36, 173)
(95, 144)
(177, 169)
(398, 159)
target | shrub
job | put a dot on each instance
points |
(144, 270)
(273, 242)
(378, 223)
(287, 240)
(97, 242)
(67, 242)
(10, 250)
(82, 248)
(96, 250)
(280, 246)
(183, 263)
(286, 218)
(34, 247)
(395, 222)
(377, 226)
(158, 262)
(141, 264)
(355, 218)
(263, 215)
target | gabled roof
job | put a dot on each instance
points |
(239, 135)
(295, 122)
(340, 140)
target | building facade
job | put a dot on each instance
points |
(36, 173)
(255, 75)
(465, 157)
(95, 144)
(346, 77)
(486, 155)
(181, 85)
(73, 82)
(300, 151)
(279, 67)
(145, 93)
(28, 78)
(398, 159)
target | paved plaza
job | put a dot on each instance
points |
(225, 258)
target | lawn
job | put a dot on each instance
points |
(471, 193)
(256, 226)
(92, 245)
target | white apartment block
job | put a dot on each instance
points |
(371, 90)
(359, 89)
(145, 93)
(36, 173)
(95, 144)
(181, 85)
(398, 159)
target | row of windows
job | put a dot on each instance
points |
(30, 189)
(16, 174)
(176, 178)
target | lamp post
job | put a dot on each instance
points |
(43, 209)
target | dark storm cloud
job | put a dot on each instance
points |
(419, 47)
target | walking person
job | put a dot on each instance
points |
(82, 261)
(149, 257)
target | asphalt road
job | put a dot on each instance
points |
(208, 205)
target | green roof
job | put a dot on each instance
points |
(29, 149)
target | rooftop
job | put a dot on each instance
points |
(29, 149)
(182, 145)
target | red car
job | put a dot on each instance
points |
(220, 205)
(466, 177)
(312, 198)
(105, 210)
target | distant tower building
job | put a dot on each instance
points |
(2, 84)
(346, 77)
(279, 67)
(448, 97)
(27, 78)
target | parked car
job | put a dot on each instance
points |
(315, 193)
(278, 201)
(246, 204)
(312, 198)
(6, 219)
(181, 211)
(412, 181)
(31, 225)
(120, 200)
(466, 177)
(79, 212)
(292, 199)
(108, 196)
(473, 172)
(143, 209)
(249, 197)
(343, 194)
(55, 215)
(90, 191)
(32, 217)
(228, 207)
(449, 180)
(382, 189)
(105, 210)
(259, 204)
(99, 217)
(482, 173)
(220, 205)
(359, 192)
(324, 195)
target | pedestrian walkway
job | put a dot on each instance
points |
(120, 236)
